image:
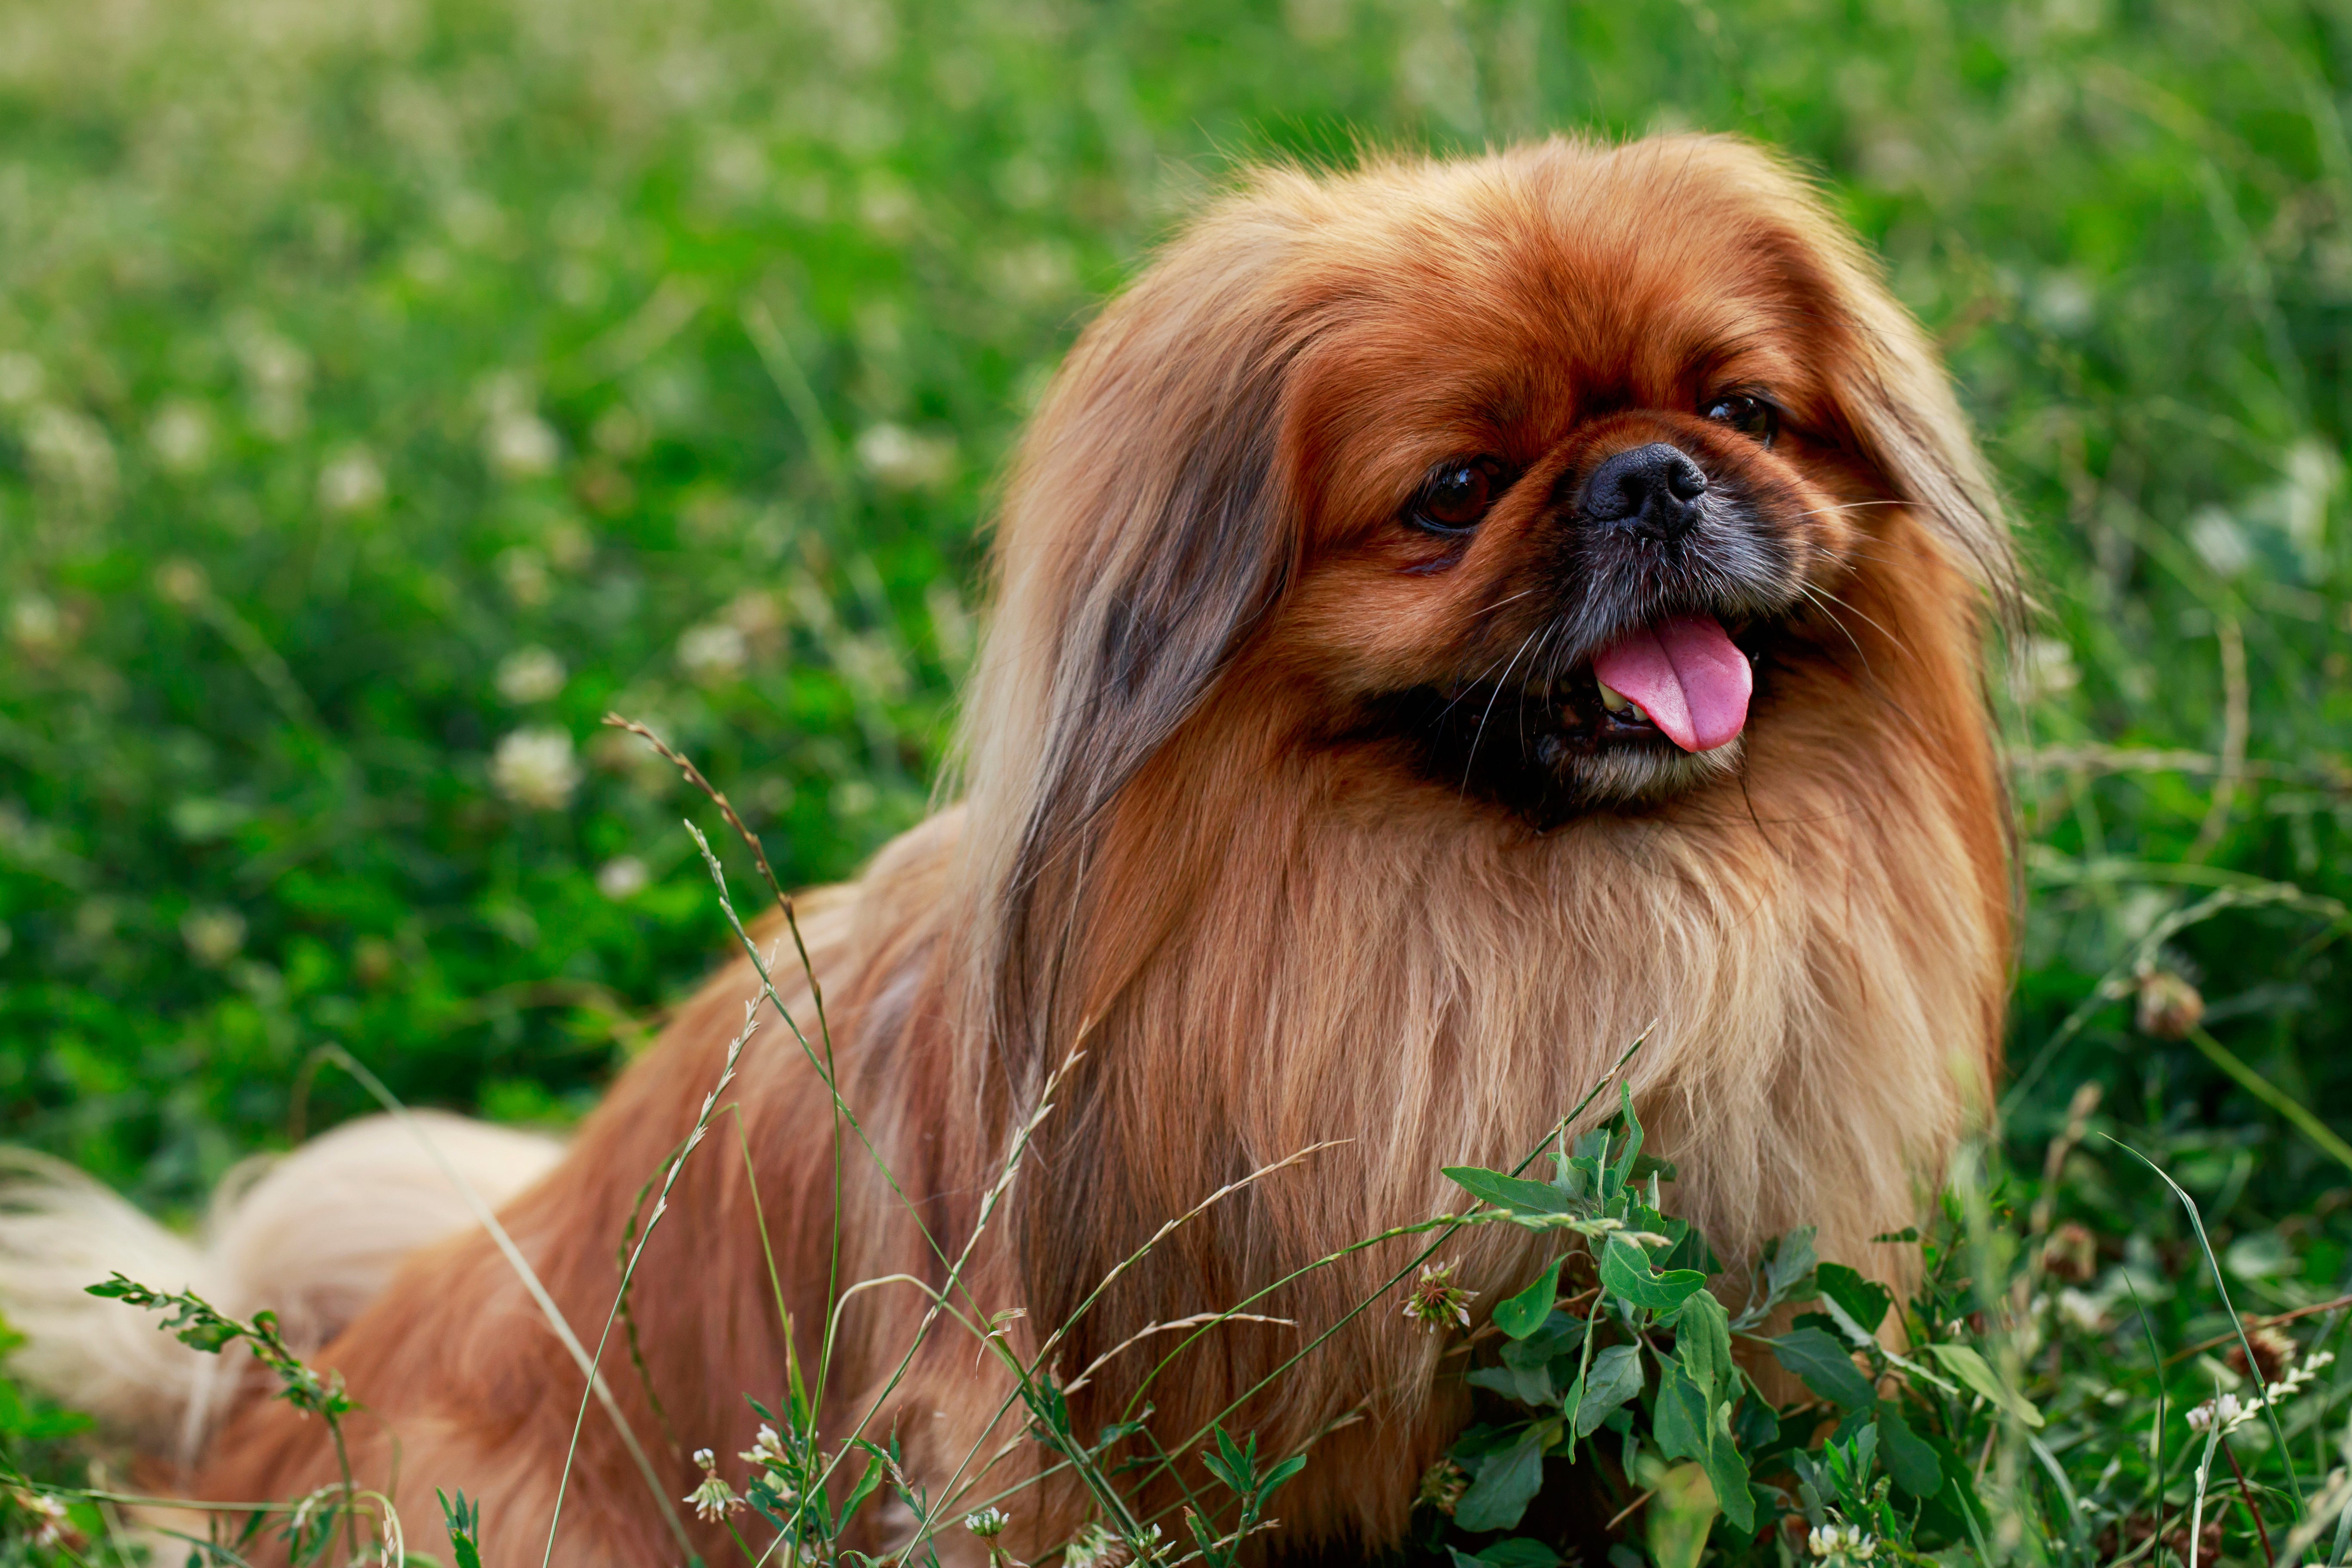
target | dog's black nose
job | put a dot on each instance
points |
(1650, 490)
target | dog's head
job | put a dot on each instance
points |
(1534, 479)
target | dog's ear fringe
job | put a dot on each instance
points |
(1140, 543)
(1906, 413)
(1897, 397)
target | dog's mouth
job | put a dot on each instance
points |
(1683, 677)
(1681, 683)
(1658, 709)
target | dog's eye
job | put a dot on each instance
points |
(1750, 416)
(1457, 496)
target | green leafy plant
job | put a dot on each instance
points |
(310, 1523)
(1236, 1467)
(1637, 1368)
(464, 1522)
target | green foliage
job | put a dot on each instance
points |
(1601, 1359)
(197, 1323)
(1629, 1401)
(41, 1523)
(464, 1522)
(311, 1524)
(1236, 1468)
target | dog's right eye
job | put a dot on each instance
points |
(1457, 496)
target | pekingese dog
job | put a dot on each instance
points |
(1452, 619)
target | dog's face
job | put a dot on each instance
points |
(1546, 483)
(1570, 459)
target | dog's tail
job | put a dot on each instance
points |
(311, 1235)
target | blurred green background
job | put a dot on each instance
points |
(387, 391)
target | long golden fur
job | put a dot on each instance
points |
(1223, 822)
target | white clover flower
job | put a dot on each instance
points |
(2231, 1412)
(70, 449)
(1436, 1299)
(1034, 274)
(181, 582)
(2050, 669)
(524, 572)
(870, 664)
(2226, 1408)
(520, 445)
(988, 1523)
(756, 613)
(714, 1500)
(568, 546)
(855, 798)
(713, 653)
(1841, 1543)
(2065, 302)
(213, 936)
(2218, 539)
(535, 768)
(529, 675)
(767, 1450)
(181, 437)
(55, 1526)
(351, 482)
(2082, 1310)
(21, 379)
(621, 879)
(34, 624)
(1096, 1547)
(276, 375)
(901, 460)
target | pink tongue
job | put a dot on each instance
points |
(1685, 675)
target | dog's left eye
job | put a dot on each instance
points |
(1750, 416)
(1456, 497)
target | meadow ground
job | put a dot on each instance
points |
(386, 392)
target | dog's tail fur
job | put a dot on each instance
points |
(311, 1235)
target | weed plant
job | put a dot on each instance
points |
(387, 392)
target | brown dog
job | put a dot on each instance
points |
(1449, 618)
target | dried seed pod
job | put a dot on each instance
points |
(1442, 1486)
(2274, 1351)
(2071, 1254)
(2168, 1005)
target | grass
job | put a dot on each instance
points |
(379, 386)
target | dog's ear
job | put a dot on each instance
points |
(1893, 393)
(1900, 405)
(1144, 534)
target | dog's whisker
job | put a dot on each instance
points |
(1480, 732)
